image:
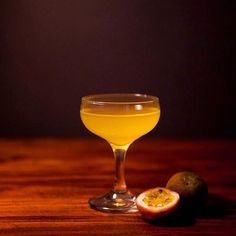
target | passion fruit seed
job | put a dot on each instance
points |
(158, 198)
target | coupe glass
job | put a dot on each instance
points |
(120, 119)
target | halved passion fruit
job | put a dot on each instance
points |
(157, 203)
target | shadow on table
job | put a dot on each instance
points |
(217, 207)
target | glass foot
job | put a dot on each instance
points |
(115, 202)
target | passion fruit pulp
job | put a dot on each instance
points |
(157, 203)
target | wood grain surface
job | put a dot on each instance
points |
(45, 185)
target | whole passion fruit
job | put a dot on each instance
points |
(191, 187)
(157, 203)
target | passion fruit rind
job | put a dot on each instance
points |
(191, 187)
(157, 203)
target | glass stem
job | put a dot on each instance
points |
(119, 183)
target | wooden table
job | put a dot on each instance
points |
(45, 185)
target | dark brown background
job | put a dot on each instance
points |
(54, 51)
